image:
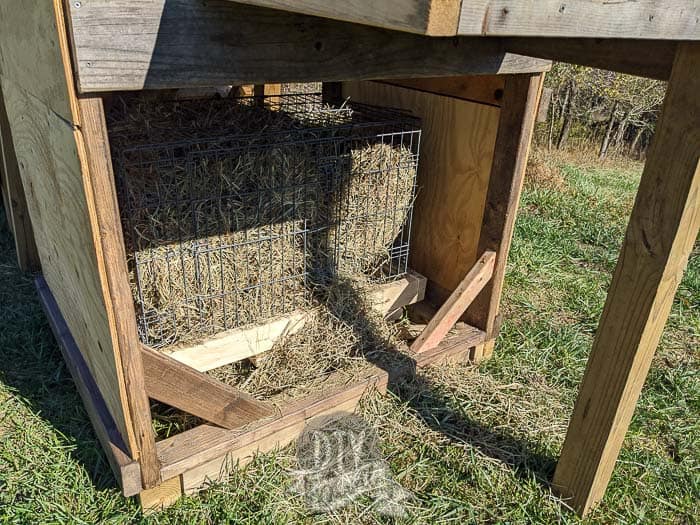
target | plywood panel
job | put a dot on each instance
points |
(455, 161)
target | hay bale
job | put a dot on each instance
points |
(225, 235)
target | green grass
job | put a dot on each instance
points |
(472, 444)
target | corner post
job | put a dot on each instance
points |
(660, 235)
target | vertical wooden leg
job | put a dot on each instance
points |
(661, 233)
(520, 98)
(332, 92)
(15, 201)
(267, 94)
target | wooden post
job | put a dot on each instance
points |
(520, 100)
(661, 233)
(16, 210)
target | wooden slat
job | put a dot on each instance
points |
(155, 44)
(126, 470)
(455, 348)
(646, 58)
(389, 299)
(206, 443)
(484, 89)
(430, 17)
(196, 393)
(162, 496)
(457, 146)
(16, 211)
(648, 19)
(517, 121)
(93, 132)
(455, 305)
(662, 230)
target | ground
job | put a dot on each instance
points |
(472, 444)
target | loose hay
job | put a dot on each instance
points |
(229, 208)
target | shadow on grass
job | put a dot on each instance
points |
(33, 371)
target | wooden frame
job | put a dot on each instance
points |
(58, 138)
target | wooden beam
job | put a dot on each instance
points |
(517, 121)
(157, 44)
(93, 144)
(644, 58)
(484, 89)
(455, 305)
(661, 233)
(649, 19)
(126, 470)
(16, 211)
(183, 387)
(429, 17)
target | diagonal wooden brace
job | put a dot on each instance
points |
(456, 304)
(183, 387)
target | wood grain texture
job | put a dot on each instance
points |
(390, 298)
(156, 44)
(455, 305)
(126, 470)
(162, 496)
(431, 17)
(484, 89)
(206, 443)
(196, 393)
(93, 131)
(457, 145)
(645, 58)
(16, 212)
(517, 121)
(648, 19)
(660, 236)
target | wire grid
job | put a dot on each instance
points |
(231, 220)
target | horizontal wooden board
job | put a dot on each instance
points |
(457, 144)
(430, 17)
(151, 44)
(484, 89)
(646, 19)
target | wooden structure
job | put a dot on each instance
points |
(477, 98)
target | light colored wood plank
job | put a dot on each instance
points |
(390, 298)
(93, 132)
(206, 443)
(15, 202)
(162, 496)
(196, 393)
(484, 89)
(431, 17)
(157, 44)
(455, 348)
(236, 345)
(662, 230)
(645, 19)
(646, 58)
(455, 305)
(516, 124)
(126, 470)
(457, 145)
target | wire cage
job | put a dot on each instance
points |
(233, 210)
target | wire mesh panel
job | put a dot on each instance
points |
(234, 209)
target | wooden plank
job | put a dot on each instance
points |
(646, 58)
(455, 305)
(162, 496)
(16, 211)
(196, 393)
(516, 124)
(457, 146)
(430, 17)
(190, 449)
(126, 470)
(236, 345)
(647, 19)
(121, 305)
(390, 298)
(157, 44)
(455, 348)
(484, 89)
(662, 230)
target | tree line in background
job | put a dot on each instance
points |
(615, 112)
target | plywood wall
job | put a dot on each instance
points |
(457, 144)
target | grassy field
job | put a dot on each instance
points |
(473, 444)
